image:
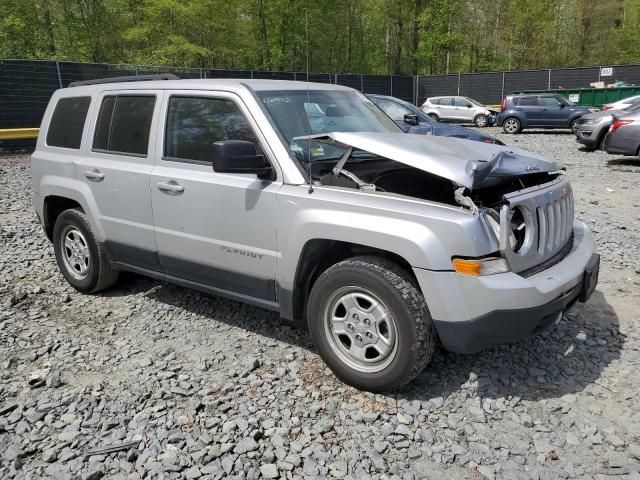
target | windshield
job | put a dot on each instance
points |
(563, 99)
(297, 113)
(475, 102)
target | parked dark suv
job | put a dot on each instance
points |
(522, 111)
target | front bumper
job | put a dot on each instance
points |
(589, 135)
(473, 313)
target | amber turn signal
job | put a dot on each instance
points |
(478, 267)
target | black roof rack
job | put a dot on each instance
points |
(129, 78)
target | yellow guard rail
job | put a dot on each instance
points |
(18, 133)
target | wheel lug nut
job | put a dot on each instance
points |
(350, 327)
(369, 334)
(356, 317)
(358, 338)
(367, 322)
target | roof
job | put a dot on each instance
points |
(211, 84)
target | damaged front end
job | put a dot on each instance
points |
(523, 198)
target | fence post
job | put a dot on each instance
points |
(59, 75)
(502, 86)
(362, 83)
(459, 77)
(416, 88)
(549, 81)
(391, 82)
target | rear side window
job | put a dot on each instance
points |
(123, 124)
(67, 122)
(435, 101)
(528, 102)
(195, 124)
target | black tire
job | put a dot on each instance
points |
(415, 334)
(507, 125)
(572, 125)
(99, 275)
(481, 120)
(434, 117)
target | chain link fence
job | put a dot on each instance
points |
(26, 86)
(491, 87)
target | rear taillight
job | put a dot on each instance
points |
(503, 105)
(606, 107)
(619, 123)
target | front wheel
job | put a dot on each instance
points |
(481, 120)
(370, 324)
(511, 125)
(573, 126)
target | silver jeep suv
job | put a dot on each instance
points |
(307, 200)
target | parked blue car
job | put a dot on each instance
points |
(530, 110)
(413, 120)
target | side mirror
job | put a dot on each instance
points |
(469, 105)
(411, 119)
(239, 156)
(561, 105)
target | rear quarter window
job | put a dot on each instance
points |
(67, 122)
(124, 123)
(527, 102)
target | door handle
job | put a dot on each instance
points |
(170, 187)
(94, 175)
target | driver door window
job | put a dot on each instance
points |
(393, 110)
(195, 124)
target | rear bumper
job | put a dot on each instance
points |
(620, 144)
(473, 313)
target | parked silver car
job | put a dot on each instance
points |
(306, 199)
(590, 129)
(459, 110)
(623, 137)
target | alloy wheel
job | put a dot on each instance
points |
(75, 252)
(360, 329)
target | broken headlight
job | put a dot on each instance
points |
(493, 219)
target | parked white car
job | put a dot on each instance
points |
(620, 104)
(459, 110)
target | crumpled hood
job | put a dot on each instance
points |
(465, 162)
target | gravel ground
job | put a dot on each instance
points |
(185, 385)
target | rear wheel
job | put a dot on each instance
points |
(481, 120)
(81, 258)
(511, 125)
(370, 324)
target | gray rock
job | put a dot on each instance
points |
(246, 445)
(324, 425)
(269, 470)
